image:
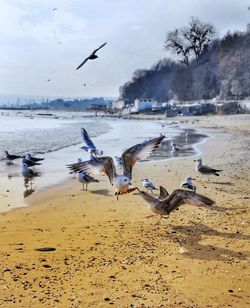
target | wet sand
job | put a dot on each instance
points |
(107, 253)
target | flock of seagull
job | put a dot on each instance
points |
(161, 206)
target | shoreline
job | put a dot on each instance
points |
(53, 169)
(108, 253)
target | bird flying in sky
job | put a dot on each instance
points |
(92, 56)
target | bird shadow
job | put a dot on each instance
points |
(28, 192)
(191, 236)
(224, 183)
(104, 192)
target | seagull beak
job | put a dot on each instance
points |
(193, 179)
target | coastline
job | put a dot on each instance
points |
(106, 252)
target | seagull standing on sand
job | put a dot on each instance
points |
(205, 170)
(11, 157)
(163, 207)
(187, 183)
(84, 178)
(92, 56)
(148, 185)
(129, 158)
(90, 147)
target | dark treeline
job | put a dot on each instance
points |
(222, 70)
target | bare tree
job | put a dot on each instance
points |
(191, 40)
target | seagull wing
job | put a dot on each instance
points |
(138, 152)
(180, 197)
(86, 138)
(163, 193)
(99, 165)
(98, 48)
(83, 62)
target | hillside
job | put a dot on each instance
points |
(222, 71)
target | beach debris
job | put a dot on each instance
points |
(45, 249)
(183, 250)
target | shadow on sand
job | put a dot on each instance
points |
(191, 236)
(103, 192)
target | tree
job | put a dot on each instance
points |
(191, 40)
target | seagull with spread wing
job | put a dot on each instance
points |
(92, 56)
(106, 165)
(90, 147)
(165, 204)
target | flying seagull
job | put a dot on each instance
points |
(187, 183)
(92, 56)
(11, 157)
(205, 170)
(178, 197)
(148, 185)
(90, 147)
(106, 165)
(84, 178)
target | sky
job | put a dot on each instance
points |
(39, 43)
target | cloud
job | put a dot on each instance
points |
(21, 22)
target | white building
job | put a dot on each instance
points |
(143, 104)
(118, 105)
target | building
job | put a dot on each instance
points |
(143, 105)
(118, 105)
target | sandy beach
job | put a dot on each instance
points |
(106, 253)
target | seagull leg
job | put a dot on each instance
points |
(158, 221)
(149, 216)
(82, 186)
(86, 187)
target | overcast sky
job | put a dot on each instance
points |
(39, 43)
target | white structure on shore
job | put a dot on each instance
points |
(143, 104)
(118, 105)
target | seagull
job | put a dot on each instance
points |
(174, 147)
(90, 147)
(28, 173)
(84, 178)
(55, 9)
(106, 165)
(33, 158)
(205, 170)
(11, 157)
(187, 183)
(29, 163)
(178, 197)
(148, 185)
(92, 56)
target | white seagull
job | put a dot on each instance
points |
(90, 147)
(148, 185)
(84, 178)
(174, 147)
(187, 183)
(106, 165)
(205, 170)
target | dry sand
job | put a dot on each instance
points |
(107, 253)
